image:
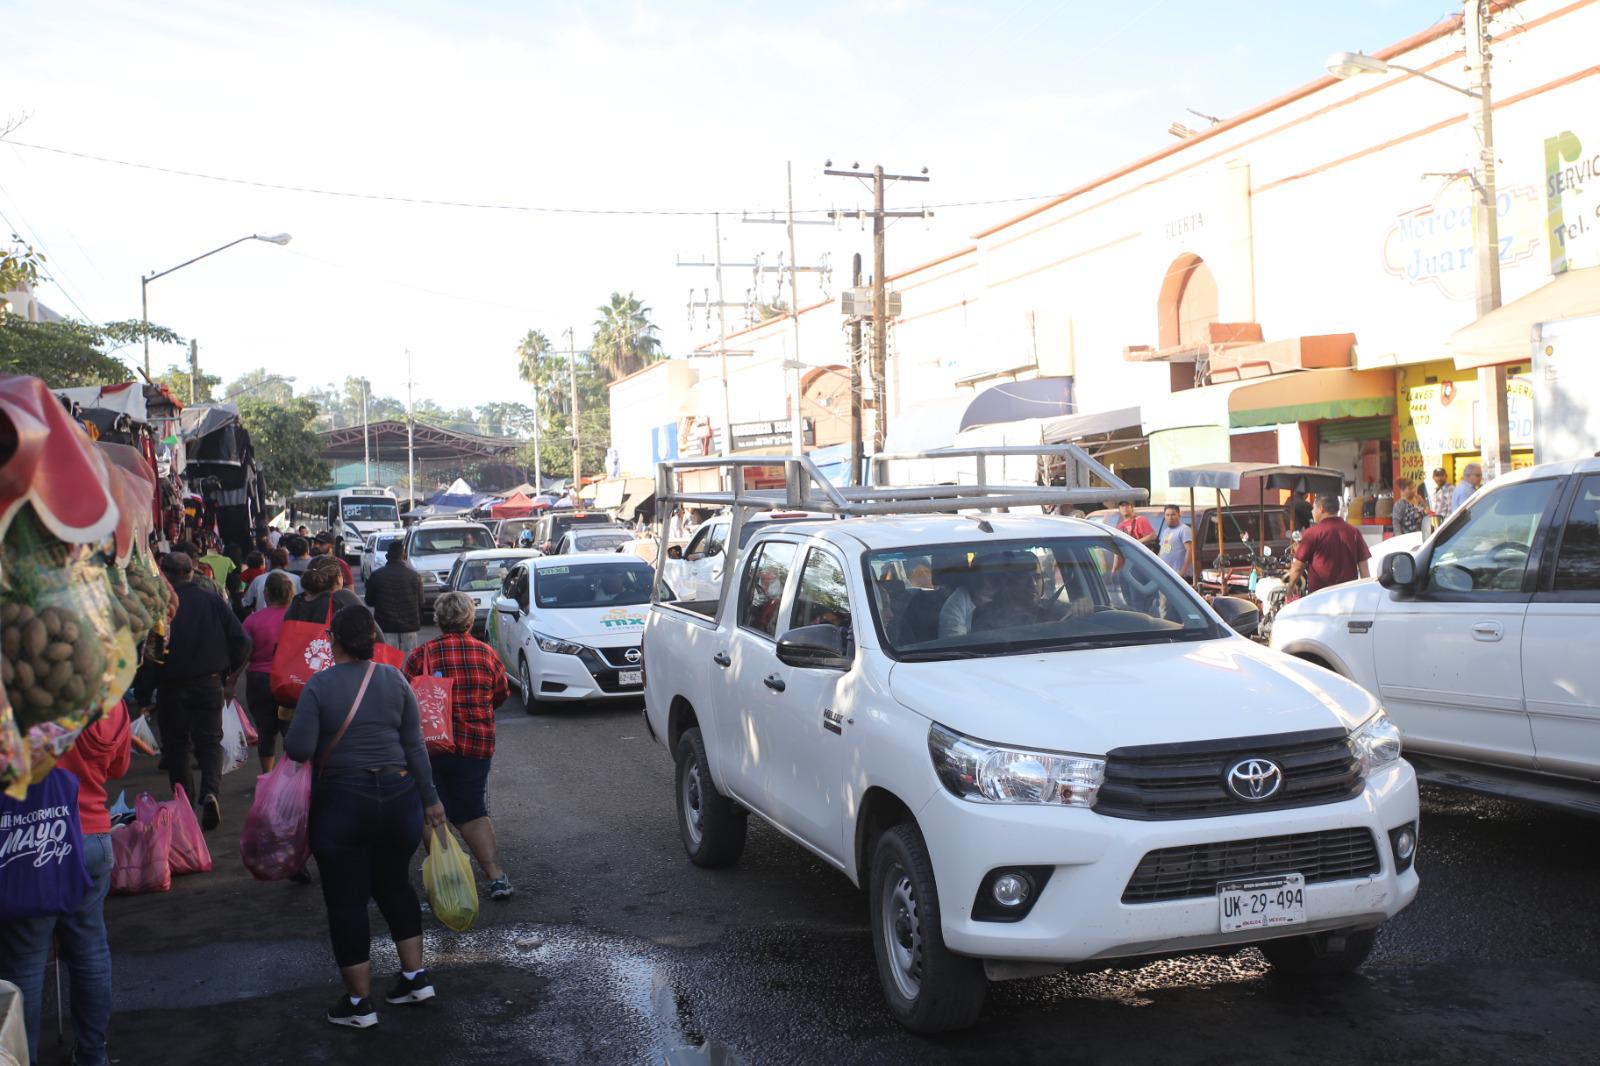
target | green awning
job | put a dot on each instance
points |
(1314, 411)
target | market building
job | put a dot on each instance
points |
(1295, 283)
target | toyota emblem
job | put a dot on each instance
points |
(632, 655)
(1255, 780)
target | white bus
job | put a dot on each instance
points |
(352, 515)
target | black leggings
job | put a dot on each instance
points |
(263, 707)
(365, 827)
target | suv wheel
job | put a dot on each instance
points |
(530, 700)
(712, 825)
(929, 988)
(1331, 954)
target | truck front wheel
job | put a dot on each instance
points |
(929, 988)
(712, 825)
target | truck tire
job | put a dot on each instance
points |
(929, 989)
(712, 825)
(1330, 954)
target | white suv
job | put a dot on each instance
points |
(1025, 762)
(434, 544)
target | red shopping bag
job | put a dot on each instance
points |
(142, 850)
(433, 701)
(275, 843)
(388, 655)
(188, 853)
(304, 650)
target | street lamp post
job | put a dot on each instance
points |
(1496, 430)
(145, 280)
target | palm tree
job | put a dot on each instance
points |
(530, 350)
(624, 337)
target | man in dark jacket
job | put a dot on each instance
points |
(205, 643)
(394, 592)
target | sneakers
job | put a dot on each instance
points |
(500, 888)
(210, 812)
(354, 1015)
(414, 990)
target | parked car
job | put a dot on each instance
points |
(567, 627)
(481, 575)
(1032, 784)
(592, 539)
(376, 546)
(698, 574)
(507, 531)
(434, 544)
(549, 527)
(1481, 643)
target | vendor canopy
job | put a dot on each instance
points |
(1296, 479)
(1505, 335)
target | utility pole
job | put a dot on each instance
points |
(411, 458)
(577, 433)
(721, 305)
(366, 435)
(880, 317)
(855, 381)
(194, 367)
(1496, 427)
(538, 416)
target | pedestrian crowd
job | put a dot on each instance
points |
(379, 790)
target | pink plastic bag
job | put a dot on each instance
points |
(251, 737)
(275, 843)
(140, 850)
(189, 853)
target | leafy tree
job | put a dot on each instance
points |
(505, 420)
(286, 445)
(260, 384)
(70, 353)
(176, 379)
(531, 350)
(19, 266)
(624, 337)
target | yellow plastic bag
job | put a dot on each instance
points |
(447, 875)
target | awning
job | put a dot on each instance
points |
(608, 494)
(1013, 401)
(637, 491)
(1505, 335)
(1300, 396)
(125, 399)
(1273, 476)
(1098, 423)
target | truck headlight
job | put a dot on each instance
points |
(557, 647)
(984, 773)
(1377, 742)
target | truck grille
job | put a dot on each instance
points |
(1163, 781)
(1193, 871)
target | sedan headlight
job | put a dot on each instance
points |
(984, 773)
(557, 647)
(1377, 742)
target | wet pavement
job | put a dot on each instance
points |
(617, 950)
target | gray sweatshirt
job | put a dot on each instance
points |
(386, 731)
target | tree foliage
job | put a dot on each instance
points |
(624, 337)
(70, 353)
(261, 385)
(176, 379)
(19, 266)
(286, 445)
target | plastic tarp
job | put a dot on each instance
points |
(517, 505)
(124, 399)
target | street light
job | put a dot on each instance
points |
(1496, 446)
(145, 280)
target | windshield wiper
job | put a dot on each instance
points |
(935, 655)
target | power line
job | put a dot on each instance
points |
(49, 255)
(478, 205)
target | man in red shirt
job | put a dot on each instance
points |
(1332, 551)
(1136, 525)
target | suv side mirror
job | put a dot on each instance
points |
(818, 647)
(1399, 571)
(1240, 614)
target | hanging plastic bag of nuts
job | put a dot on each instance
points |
(62, 653)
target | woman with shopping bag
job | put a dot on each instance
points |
(357, 722)
(264, 628)
(472, 682)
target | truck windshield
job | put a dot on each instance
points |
(987, 597)
(606, 585)
(442, 541)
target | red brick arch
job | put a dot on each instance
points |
(1187, 303)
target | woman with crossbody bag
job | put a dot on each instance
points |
(357, 723)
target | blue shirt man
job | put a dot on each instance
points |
(1471, 478)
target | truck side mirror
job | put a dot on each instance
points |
(818, 647)
(1240, 614)
(1399, 571)
(506, 603)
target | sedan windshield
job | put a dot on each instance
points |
(445, 541)
(606, 585)
(483, 575)
(956, 601)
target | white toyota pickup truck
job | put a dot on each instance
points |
(1024, 765)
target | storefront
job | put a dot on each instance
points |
(1439, 411)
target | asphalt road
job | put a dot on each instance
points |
(617, 950)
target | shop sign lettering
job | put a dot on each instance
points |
(1572, 202)
(1436, 244)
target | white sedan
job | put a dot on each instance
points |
(481, 575)
(568, 627)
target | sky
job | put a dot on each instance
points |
(686, 109)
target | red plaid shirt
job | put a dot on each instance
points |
(478, 686)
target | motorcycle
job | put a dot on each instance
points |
(1261, 578)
